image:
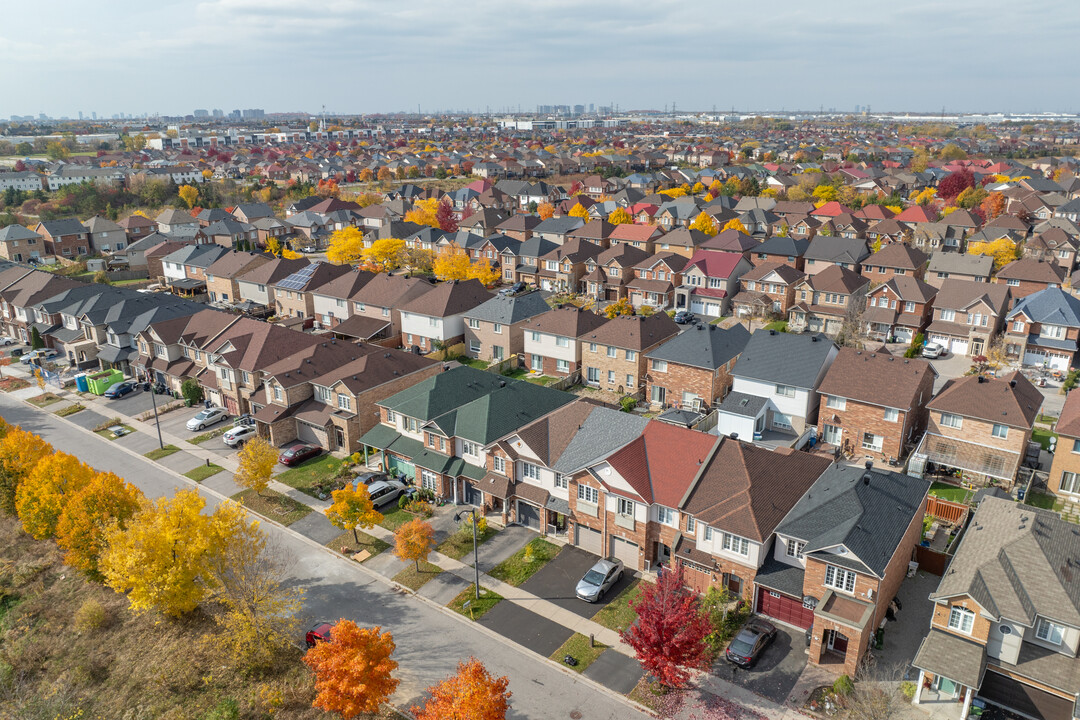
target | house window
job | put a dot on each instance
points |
(498, 464)
(474, 323)
(562, 366)
(659, 365)
(277, 393)
(785, 390)
(666, 516)
(1000, 431)
(534, 336)
(736, 544)
(561, 481)
(1070, 483)
(870, 441)
(360, 307)
(497, 328)
(629, 381)
(948, 315)
(391, 417)
(592, 375)
(626, 507)
(592, 347)
(961, 619)
(631, 355)
(690, 524)
(611, 377)
(1050, 632)
(474, 346)
(588, 494)
(839, 579)
(386, 312)
(611, 351)
(344, 402)
(1012, 282)
(795, 549)
(528, 470)
(951, 420)
(909, 307)
(892, 414)
(468, 448)
(836, 403)
(429, 480)
(562, 341)
(708, 533)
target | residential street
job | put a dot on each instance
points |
(430, 641)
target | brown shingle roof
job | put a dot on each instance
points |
(898, 255)
(635, 332)
(878, 379)
(1011, 400)
(449, 298)
(1069, 422)
(569, 321)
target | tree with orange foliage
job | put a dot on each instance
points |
(471, 693)
(424, 212)
(366, 175)
(414, 541)
(993, 205)
(353, 670)
(20, 451)
(384, 174)
(105, 501)
(620, 216)
(545, 210)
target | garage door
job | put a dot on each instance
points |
(626, 551)
(528, 515)
(784, 608)
(306, 433)
(697, 307)
(958, 347)
(1024, 699)
(712, 309)
(589, 539)
(902, 334)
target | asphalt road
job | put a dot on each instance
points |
(430, 642)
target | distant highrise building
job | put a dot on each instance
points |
(94, 115)
(218, 113)
(579, 109)
(254, 114)
(234, 115)
(202, 113)
(80, 115)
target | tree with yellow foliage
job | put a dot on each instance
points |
(452, 263)
(580, 211)
(924, 197)
(620, 216)
(352, 508)
(20, 451)
(673, 193)
(41, 497)
(483, 270)
(620, 307)
(1003, 250)
(189, 194)
(385, 255)
(257, 460)
(424, 212)
(825, 193)
(102, 503)
(697, 189)
(735, 224)
(704, 223)
(346, 246)
(545, 210)
(288, 254)
(207, 174)
(273, 246)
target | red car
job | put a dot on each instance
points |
(298, 454)
(317, 634)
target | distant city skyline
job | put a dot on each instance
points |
(367, 57)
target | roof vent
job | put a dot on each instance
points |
(772, 332)
(502, 383)
(981, 380)
(386, 355)
(734, 436)
(1012, 383)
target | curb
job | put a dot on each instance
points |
(366, 571)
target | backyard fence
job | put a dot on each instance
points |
(947, 510)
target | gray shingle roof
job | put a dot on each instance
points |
(1052, 305)
(602, 433)
(705, 346)
(951, 262)
(784, 358)
(509, 310)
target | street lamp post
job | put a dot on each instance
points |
(157, 420)
(476, 557)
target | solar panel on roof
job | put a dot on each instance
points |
(299, 279)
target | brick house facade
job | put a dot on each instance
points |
(613, 355)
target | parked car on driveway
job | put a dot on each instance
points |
(748, 645)
(5, 341)
(206, 418)
(121, 389)
(599, 579)
(683, 316)
(239, 435)
(298, 454)
(384, 492)
(933, 351)
(367, 478)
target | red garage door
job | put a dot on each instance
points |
(784, 608)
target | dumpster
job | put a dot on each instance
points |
(99, 382)
(80, 383)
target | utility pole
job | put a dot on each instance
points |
(157, 420)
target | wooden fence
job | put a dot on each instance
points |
(947, 510)
(932, 561)
(567, 382)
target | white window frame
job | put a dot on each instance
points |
(530, 470)
(625, 507)
(839, 578)
(999, 431)
(892, 415)
(735, 544)
(961, 620)
(561, 481)
(785, 390)
(658, 365)
(1049, 631)
(952, 420)
(795, 549)
(588, 494)
(835, 403)
(667, 516)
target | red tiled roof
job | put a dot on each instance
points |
(661, 464)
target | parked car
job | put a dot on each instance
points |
(298, 454)
(683, 316)
(308, 249)
(206, 418)
(121, 389)
(600, 578)
(514, 289)
(5, 341)
(933, 351)
(320, 632)
(384, 492)
(239, 434)
(750, 643)
(367, 478)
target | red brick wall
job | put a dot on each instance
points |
(680, 378)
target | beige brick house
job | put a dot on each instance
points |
(221, 276)
(1065, 471)
(553, 339)
(613, 355)
(493, 330)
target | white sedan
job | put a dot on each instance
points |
(207, 417)
(238, 435)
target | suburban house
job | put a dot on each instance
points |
(710, 280)
(642, 237)
(552, 340)
(1004, 626)
(613, 354)
(381, 300)
(957, 266)
(839, 558)
(19, 244)
(1028, 275)
(768, 290)
(438, 431)
(331, 302)
(436, 318)
(781, 249)
(900, 308)
(256, 285)
(493, 329)
(895, 259)
(105, 235)
(563, 268)
(873, 405)
(66, 238)
(1043, 328)
(825, 301)
(609, 274)
(774, 394)
(967, 316)
(827, 251)
(222, 284)
(655, 280)
(979, 426)
(694, 366)
(293, 296)
(1065, 472)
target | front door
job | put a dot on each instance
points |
(837, 641)
(663, 554)
(977, 346)
(339, 434)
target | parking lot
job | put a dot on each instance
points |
(776, 671)
(557, 581)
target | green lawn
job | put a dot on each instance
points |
(473, 362)
(70, 410)
(109, 436)
(945, 491)
(778, 325)
(1046, 419)
(204, 471)
(216, 432)
(44, 399)
(394, 517)
(273, 505)
(540, 380)
(460, 543)
(317, 471)
(578, 648)
(347, 545)
(415, 579)
(519, 567)
(617, 614)
(1042, 436)
(523, 374)
(159, 453)
(1043, 500)
(488, 599)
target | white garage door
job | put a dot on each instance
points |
(697, 307)
(589, 539)
(1057, 362)
(712, 309)
(958, 347)
(903, 334)
(306, 433)
(626, 551)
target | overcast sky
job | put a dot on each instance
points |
(362, 56)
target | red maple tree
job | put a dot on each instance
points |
(445, 217)
(951, 186)
(669, 636)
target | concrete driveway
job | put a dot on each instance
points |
(904, 634)
(776, 671)
(132, 404)
(557, 581)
